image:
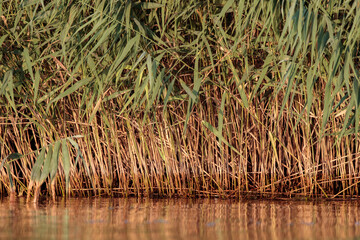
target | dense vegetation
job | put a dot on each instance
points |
(181, 98)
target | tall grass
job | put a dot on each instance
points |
(180, 97)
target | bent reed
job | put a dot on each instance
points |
(179, 98)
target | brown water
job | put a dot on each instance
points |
(103, 218)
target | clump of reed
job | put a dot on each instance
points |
(186, 98)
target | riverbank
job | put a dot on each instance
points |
(203, 98)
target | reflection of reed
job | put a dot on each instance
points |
(180, 219)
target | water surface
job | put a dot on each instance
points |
(104, 218)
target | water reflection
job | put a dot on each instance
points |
(178, 219)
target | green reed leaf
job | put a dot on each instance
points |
(36, 85)
(28, 63)
(12, 186)
(36, 170)
(66, 164)
(47, 164)
(70, 90)
(54, 160)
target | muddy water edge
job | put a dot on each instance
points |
(133, 218)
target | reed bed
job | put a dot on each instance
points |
(179, 98)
